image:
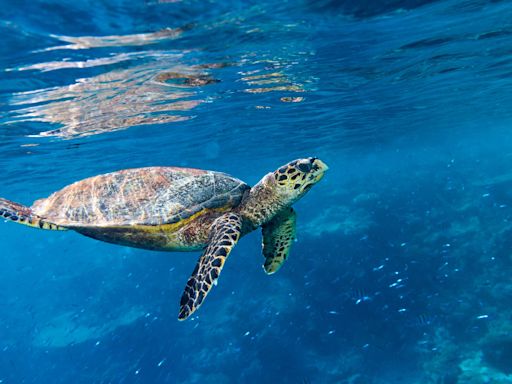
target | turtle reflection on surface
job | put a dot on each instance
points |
(185, 79)
(152, 93)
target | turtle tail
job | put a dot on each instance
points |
(24, 215)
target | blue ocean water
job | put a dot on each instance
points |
(401, 270)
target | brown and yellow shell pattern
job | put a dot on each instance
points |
(141, 196)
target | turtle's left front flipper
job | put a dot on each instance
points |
(224, 235)
(278, 236)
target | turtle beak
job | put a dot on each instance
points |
(319, 168)
(320, 164)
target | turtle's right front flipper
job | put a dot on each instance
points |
(278, 237)
(24, 215)
(224, 235)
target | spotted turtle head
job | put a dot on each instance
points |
(294, 179)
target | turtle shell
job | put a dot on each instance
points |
(142, 196)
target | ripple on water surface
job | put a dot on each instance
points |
(141, 87)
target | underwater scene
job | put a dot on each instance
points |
(400, 268)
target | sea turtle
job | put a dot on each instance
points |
(179, 209)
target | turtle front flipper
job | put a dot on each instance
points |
(224, 234)
(278, 236)
(24, 215)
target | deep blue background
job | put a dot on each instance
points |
(401, 271)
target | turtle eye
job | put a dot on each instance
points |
(304, 167)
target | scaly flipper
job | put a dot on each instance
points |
(278, 236)
(23, 215)
(224, 235)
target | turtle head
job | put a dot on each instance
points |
(294, 179)
(281, 189)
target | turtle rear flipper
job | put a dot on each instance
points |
(224, 235)
(278, 236)
(24, 215)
